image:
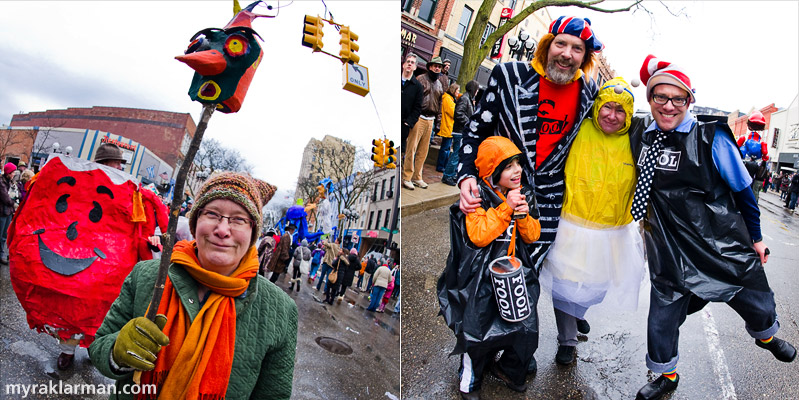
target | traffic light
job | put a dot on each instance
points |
(390, 159)
(348, 45)
(312, 33)
(378, 152)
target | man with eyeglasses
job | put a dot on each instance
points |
(701, 225)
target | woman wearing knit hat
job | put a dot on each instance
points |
(222, 331)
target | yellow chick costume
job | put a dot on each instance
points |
(598, 252)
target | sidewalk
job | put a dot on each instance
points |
(436, 195)
(773, 198)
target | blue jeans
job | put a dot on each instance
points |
(792, 206)
(443, 153)
(757, 309)
(314, 267)
(5, 222)
(451, 171)
(397, 307)
(326, 269)
(377, 297)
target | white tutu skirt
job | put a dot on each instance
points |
(585, 267)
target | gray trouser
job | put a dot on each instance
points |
(567, 328)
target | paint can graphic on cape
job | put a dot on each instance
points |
(71, 245)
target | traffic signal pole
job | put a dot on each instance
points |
(395, 211)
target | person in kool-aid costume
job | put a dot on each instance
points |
(465, 291)
(71, 244)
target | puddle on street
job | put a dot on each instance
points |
(334, 346)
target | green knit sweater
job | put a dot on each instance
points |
(266, 332)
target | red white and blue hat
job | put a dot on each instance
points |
(580, 27)
(656, 71)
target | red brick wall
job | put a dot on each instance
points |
(160, 131)
(440, 18)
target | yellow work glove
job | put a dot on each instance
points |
(139, 342)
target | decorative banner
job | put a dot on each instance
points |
(507, 13)
(72, 243)
(225, 61)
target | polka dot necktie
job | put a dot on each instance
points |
(641, 197)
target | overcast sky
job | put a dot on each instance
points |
(60, 54)
(739, 55)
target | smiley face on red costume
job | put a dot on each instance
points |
(71, 245)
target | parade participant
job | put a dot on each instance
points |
(704, 246)
(598, 254)
(447, 121)
(418, 142)
(222, 331)
(349, 273)
(282, 256)
(464, 109)
(465, 291)
(72, 242)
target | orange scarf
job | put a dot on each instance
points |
(209, 339)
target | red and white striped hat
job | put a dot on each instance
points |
(654, 72)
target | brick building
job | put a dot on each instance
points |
(166, 134)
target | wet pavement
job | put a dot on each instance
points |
(718, 359)
(343, 351)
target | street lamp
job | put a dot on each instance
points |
(350, 215)
(57, 149)
(523, 45)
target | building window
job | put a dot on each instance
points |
(427, 9)
(512, 4)
(377, 221)
(406, 5)
(489, 30)
(371, 217)
(377, 185)
(776, 140)
(388, 217)
(463, 25)
(383, 190)
(391, 184)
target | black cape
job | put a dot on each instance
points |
(466, 295)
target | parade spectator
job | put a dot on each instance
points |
(700, 248)
(598, 255)
(396, 273)
(282, 256)
(339, 269)
(265, 251)
(794, 192)
(110, 155)
(349, 274)
(316, 261)
(447, 119)
(785, 186)
(387, 294)
(380, 279)
(24, 178)
(411, 98)
(302, 254)
(444, 78)
(236, 341)
(463, 111)
(6, 208)
(556, 81)
(418, 142)
(361, 273)
(371, 267)
(332, 251)
(776, 182)
(465, 287)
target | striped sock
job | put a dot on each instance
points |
(671, 375)
(766, 341)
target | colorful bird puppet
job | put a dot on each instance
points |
(752, 144)
(72, 243)
(225, 61)
(297, 216)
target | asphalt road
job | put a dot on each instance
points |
(718, 359)
(370, 371)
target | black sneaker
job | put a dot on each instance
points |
(448, 181)
(583, 327)
(656, 389)
(497, 371)
(781, 349)
(565, 355)
(473, 395)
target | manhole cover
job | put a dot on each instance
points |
(334, 346)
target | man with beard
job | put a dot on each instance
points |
(539, 105)
(419, 137)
